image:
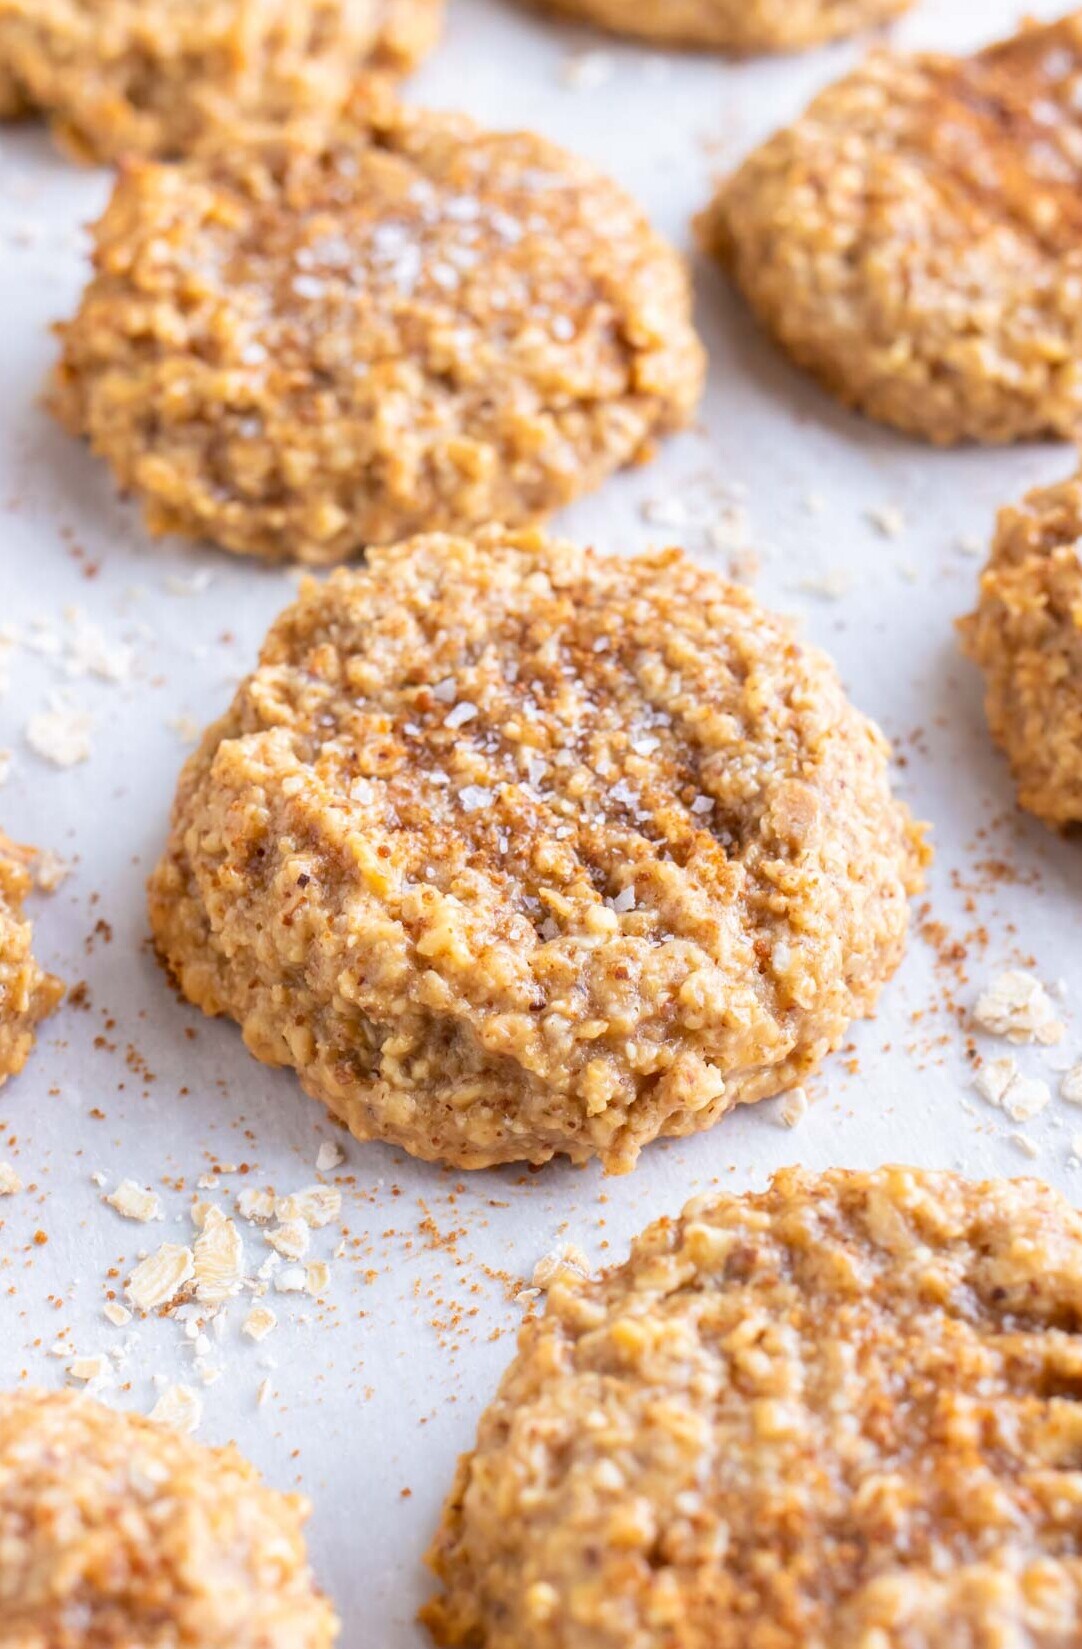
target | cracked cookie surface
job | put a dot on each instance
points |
(914, 239)
(511, 849)
(118, 1533)
(734, 25)
(315, 343)
(158, 77)
(27, 993)
(840, 1412)
(1026, 635)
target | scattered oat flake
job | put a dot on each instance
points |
(86, 1369)
(1002, 1084)
(263, 1395)
(134, 1203)
(585, 71)
(831, 585)
(179, 1407)
(793, 1107)
(1027, 1146)
(1017, 1006)
(316, 1205)
(50, 871)
(60, 735)
(887, 519)
(218, 1259)
(116, 1313)
(255, 1204)
(565, 1258)
(259, 1322)
(9, 1180)
(1070, 1087)
(291, 1280)
(329, 1156)
(190, 583)
(317, 1277)
(186, 728)
(91, 653)
(290, 1238)
(160, 1277)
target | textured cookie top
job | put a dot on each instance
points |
(306, 345)
(1026, 635)
(116, 1533)
(159, 77)
(573, 850)
(840, 1413)
(914, 237)
(735, 25)
(27, 993)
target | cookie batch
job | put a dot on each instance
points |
(512, 850)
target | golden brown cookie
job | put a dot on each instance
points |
(512, 849)
(308, 346)
(915, 239)
(1026, 635)
(159, 77)
(734, 25)
(27, 994)
(117, 1533)
(842, 1412)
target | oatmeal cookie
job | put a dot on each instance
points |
(308, 346)
(915, 239)
(1026, 635)
(512, 849)
(26, 993)
(157, 77)
(117, 1533)
(841, 1412)
(734, 25)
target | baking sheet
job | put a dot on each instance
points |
(369, 1396)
